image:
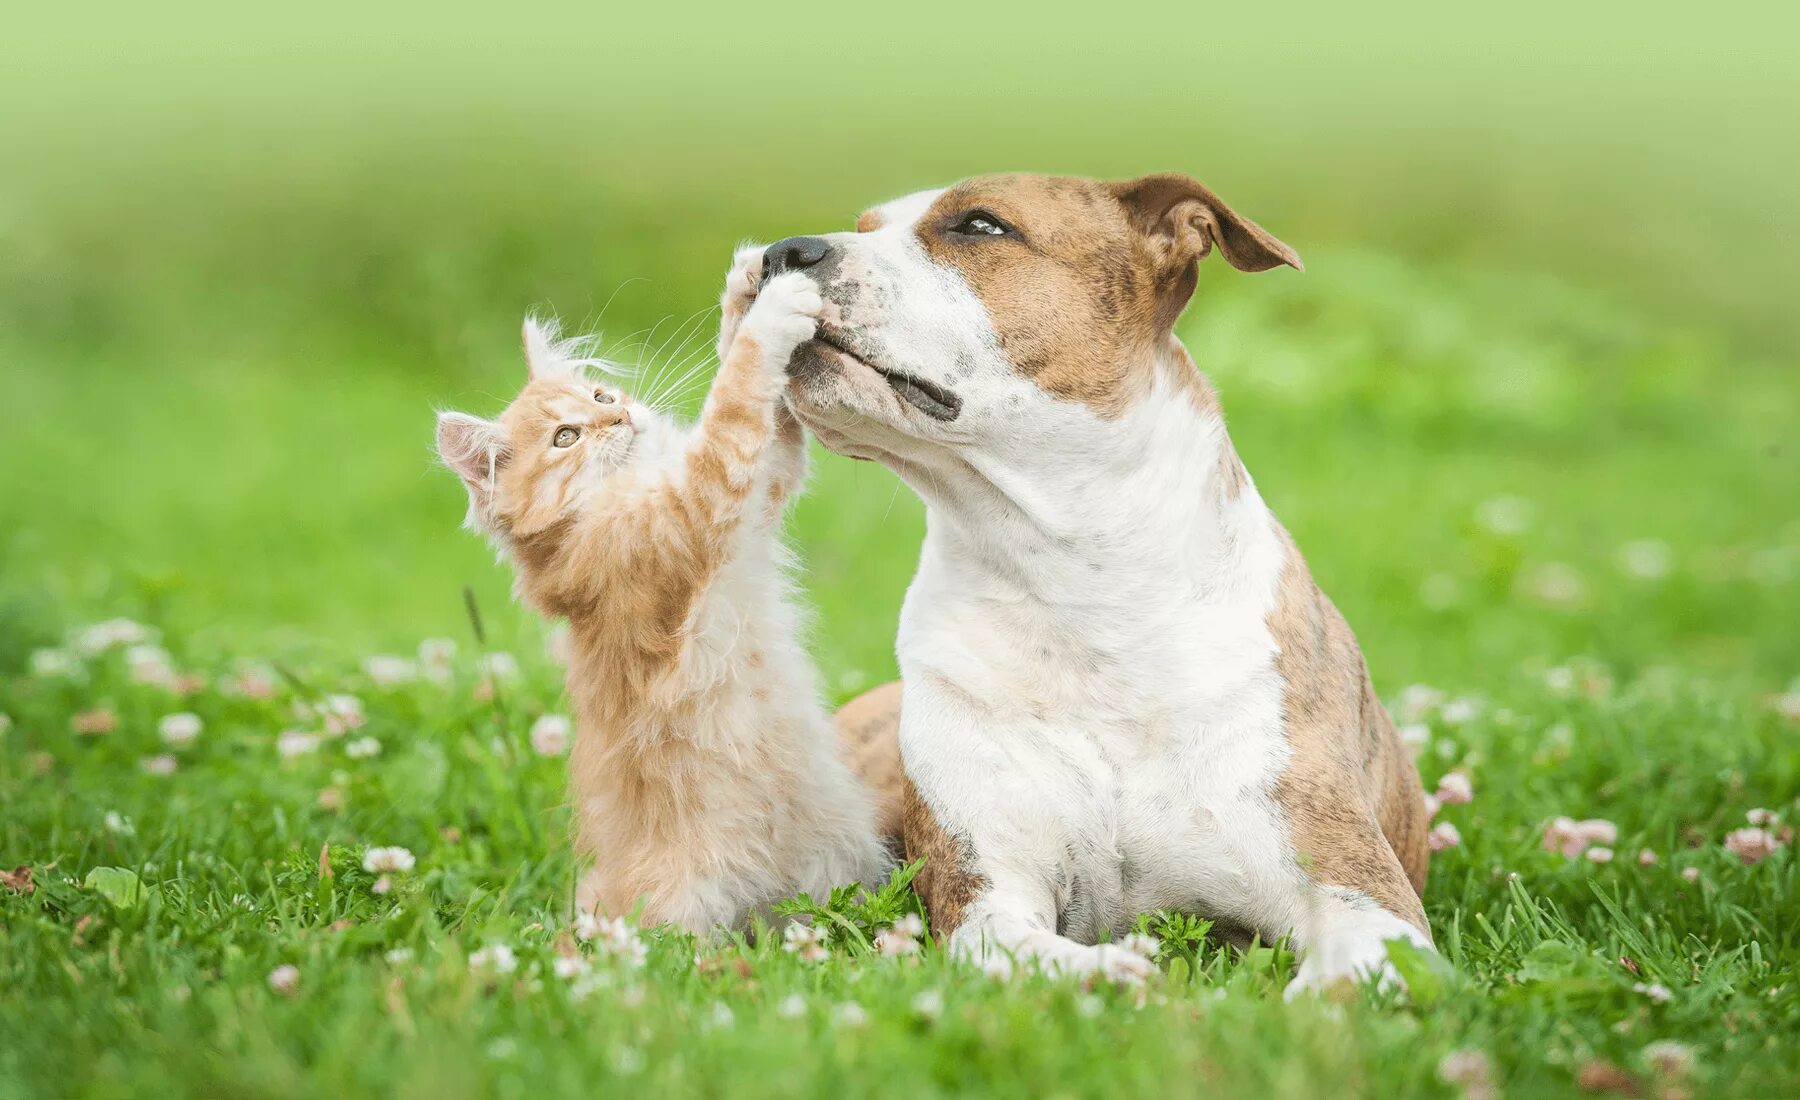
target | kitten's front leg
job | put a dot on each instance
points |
(787, 458)
(741, 283)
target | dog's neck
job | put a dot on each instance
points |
(1090, 512)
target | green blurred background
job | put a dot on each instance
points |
(1533, 397)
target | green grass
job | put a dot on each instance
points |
(225, 319)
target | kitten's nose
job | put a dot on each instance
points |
(793, 254)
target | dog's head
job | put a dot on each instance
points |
(1003, 309)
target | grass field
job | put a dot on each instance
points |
(1529, 418)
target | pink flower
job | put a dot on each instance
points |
(1599, 854)
(1752, 845)
(252, 682)
(1572, 838)
(1692, 874)
(550, 735)
(1646, 858)
(1432, 806)
(163, 764)
(285, 979)
(1443, 835)
(1454, 789)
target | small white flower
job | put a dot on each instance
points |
(1415, 736)
(118, 823)
(342, 713)
(149, 664)
(1670, 1058)
(1646, 559)
(1600, 854)
(1787, 705)
(1505, 515)
(1752, 845)
(1762, 818)
(849, 1014)
(1455, 789)
(285, 979)
(54, 663)
(362, 748)
(1560, 679)
(494, 959)
(1656, 991)
(929, 1004)
(388, 671)
(1692, 874)
(252, 682)
(162, 764)
(1432, 806)
(550, 735)
(1089, 1005)
(292, 743)
(722, 1016)
(180, 728)
(500, 666)
(1647, 857)
(110, 634)
(568, 967)
(805, 941)
(1418, 699)
(1442, 835)
(437, 659)
(388, 861)
(792, 1007)
(381, 886)
(891, 943)
(1458, 711)
(399, 955)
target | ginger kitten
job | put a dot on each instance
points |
(705, 776)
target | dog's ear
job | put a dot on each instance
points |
(1182, 220)
(474, 449)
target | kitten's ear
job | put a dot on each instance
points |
(539, 338)
(472, 447)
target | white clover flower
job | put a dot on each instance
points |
(252, 682)
(47, 664)
(1656, 991)
(569, 967)
(437, 659)
(111, 634)
(805, 941)
(1455, 789)
(722, 1016)
(929, 1004)
(342, 713)
(500, 665)
(362, 748)
(1089, 1005)
(388, 861)
(1646, 559)
(162, 764)
(292, 743)
(1571, 837)
(1443, 835)
(1752, 845)
(1691, 874)
(118, 824)
(1415, 736)
(910, 924)
(387, 670)
(1599, 854)
(381, 886)
(1505, 515)
(1560, 679)
(550, 735)
(495, 959)
(1762, 818)
(180, 728)
(895, 944)
(399, 955)
(792, 1007)
(1458, 711)
(150, 664)
(1418, 699)
(285, 979)
(849, 1014)
(1647, 857)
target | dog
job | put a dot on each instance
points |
(1121, 689)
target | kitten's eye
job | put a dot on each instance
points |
(603, 397)
(566, 437)
(980, 223)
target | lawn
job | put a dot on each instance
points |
(1553, 490)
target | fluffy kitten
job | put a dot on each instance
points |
(706, 778)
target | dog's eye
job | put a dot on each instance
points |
(980, 223)
(566, 436)
(603, 397)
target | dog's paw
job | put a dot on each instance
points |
(785, 315)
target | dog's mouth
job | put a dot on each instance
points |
(928, 397)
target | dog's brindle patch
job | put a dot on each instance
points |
(1350, 795)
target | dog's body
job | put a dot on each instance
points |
(1122, 690)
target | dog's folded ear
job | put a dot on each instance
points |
(1182, 219)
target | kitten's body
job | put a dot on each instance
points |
(706, 777)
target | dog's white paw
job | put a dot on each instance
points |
(785, 315)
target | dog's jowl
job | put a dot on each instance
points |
(1122, 689)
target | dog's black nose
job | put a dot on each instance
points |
(793, 254)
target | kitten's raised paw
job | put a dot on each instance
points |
(785, 315)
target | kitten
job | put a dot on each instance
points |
(705, 777)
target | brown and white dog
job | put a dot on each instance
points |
(1122, 689)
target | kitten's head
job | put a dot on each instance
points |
(553, 450)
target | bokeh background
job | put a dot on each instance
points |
(1533, 397)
